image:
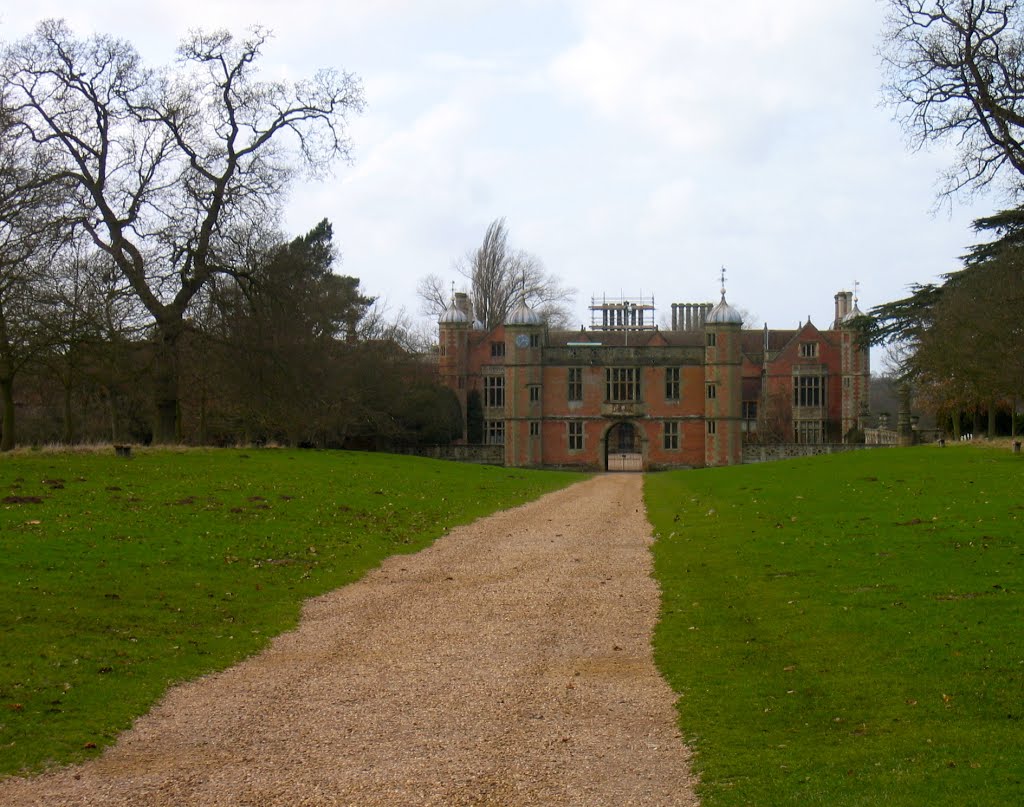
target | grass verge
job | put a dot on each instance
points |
(847, 630)
(120, 577)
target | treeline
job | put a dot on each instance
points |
(146, 293)
(959, 342)
(283, 351)
(954, 74)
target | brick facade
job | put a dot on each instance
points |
(669, 398)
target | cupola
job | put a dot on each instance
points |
(852, 315)
(452, 316)
(723, 313)
(524, 315)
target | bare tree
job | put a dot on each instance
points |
(955, 69)
(80, 326)
(435, 295)
(30, 201)
(500, 277)
(167, 164)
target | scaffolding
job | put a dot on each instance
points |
(622, 313)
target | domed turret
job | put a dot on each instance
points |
(852, 315)
(452, 315)
(724, 314)
(723, 398)
(847, 309)
(524, 315)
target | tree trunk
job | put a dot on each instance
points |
(7, 402)
(165, 383)
(68, 436)
(991, 418)
(202, 414)
(115, 418)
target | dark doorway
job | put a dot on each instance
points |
(622, 448)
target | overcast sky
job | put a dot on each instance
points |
(634, 146)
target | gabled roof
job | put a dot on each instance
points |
(754, 341)
(807, 332)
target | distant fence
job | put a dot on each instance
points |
(480, 454)
(881, 437)
(891, 437)
(786, 451)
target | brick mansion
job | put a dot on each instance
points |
(627, 391)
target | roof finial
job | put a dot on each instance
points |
(856, 292)
(453, 291)
(722, 276)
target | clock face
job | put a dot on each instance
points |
(523, 340)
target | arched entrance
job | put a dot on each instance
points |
(623, 448)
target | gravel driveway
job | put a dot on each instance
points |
(507, 664)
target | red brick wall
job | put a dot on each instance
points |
(522, 367)
(780, 376)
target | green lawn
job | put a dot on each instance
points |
(847, 630)
(119, 577)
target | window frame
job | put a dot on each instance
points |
(670, 435)
(494, 391)
(748, 416)
(622, 385)
(805, 429)
(808, 391)
(494, 432)
(673, 383)
(574, 389)
(575, 434)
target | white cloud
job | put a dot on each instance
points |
(632, 145)
(696, 76)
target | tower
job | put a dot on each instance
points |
(524, 393)
(723, 393)
(453, 351)
(855, 366)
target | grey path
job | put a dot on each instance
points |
(508, 664)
